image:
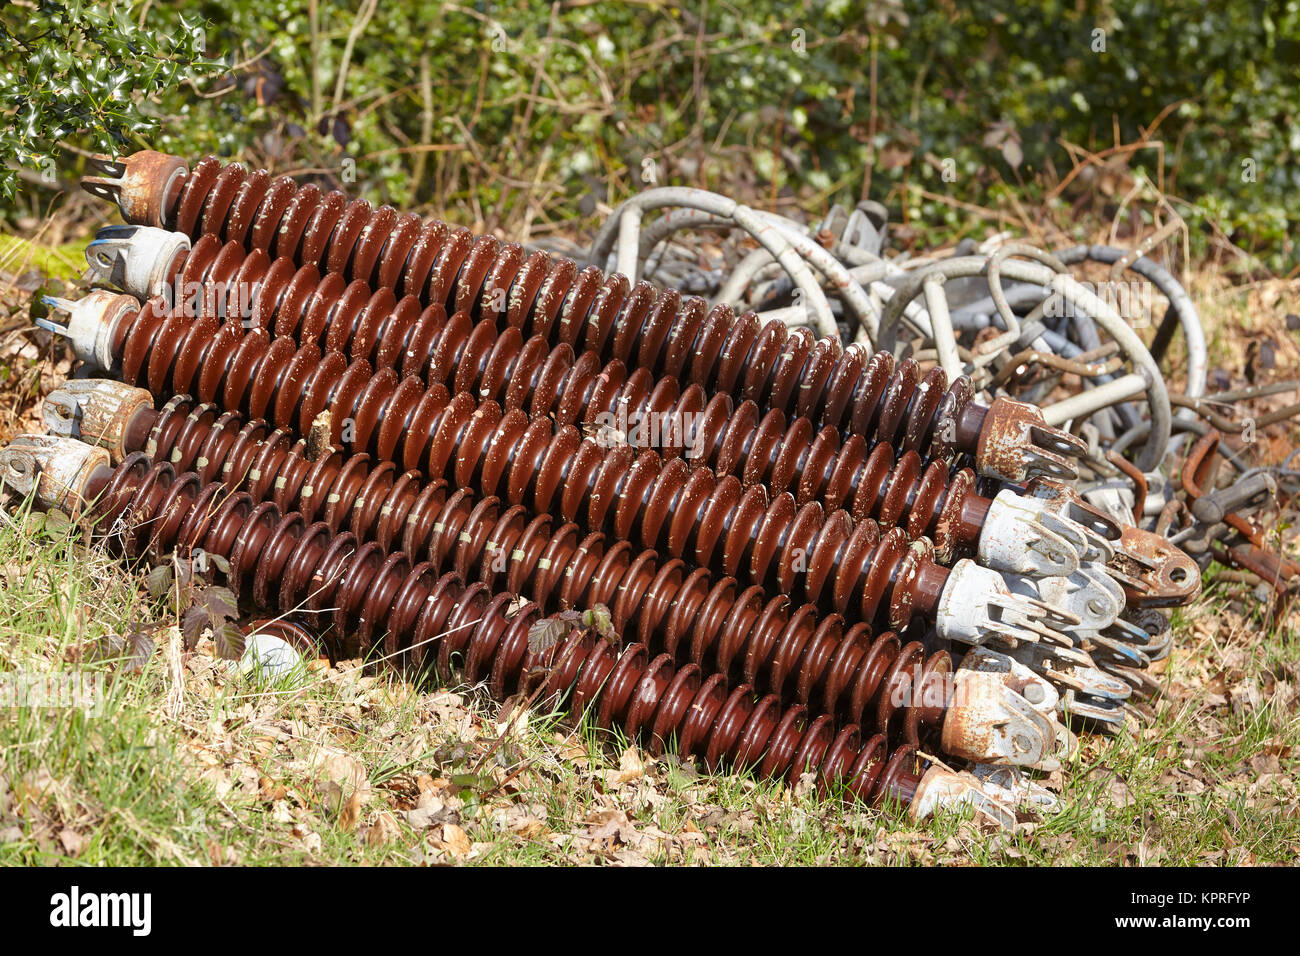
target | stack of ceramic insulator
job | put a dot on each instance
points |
(819, 559)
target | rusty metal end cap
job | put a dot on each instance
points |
(95, 411)
(1002, 713)
(1152, 571)
(1016, 444)
(137, 184)
(943, 789)
(52, 470)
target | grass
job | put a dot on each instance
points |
(190, 763)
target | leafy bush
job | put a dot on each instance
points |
(78, 70)
(506, 113)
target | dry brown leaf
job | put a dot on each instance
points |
(572, 750)
(383, 830)
(455, 840)
(269, 791)
(72, 841)
(350, 815)
(343, 769)
(31, 791)
(630, 767)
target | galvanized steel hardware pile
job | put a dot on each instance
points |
(845, 510)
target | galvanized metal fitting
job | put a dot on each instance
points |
(1086, 690)
(139, 184)
(1102, 528)
(944, 789)
(1123, 646)
(1013, 787)
(90, 324)
(977, 606)
(1026, 535)
(1090, 595)
(1153, 572)
(1016, 444)
(138, 260)
(1002, 713)
(54, 471)
(95, 410)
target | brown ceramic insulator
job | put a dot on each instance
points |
(465, 356)
(643, 411)
(665, 505)
(305, 640)
(671, 507)
(768, 643)
(648, 696)
(310, 226)
(456, 352)
(234, 284)
(417, 618)
(640, 326)
(926, 499)
(817, 467)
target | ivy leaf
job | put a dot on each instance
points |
(159, 581)
(193, 622)
(140, 647)
(547, 633)
(229, 640)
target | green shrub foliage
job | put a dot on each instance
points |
(508, 111)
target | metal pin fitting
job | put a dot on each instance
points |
(1013, 787)
(1087, 692)
(1002, 713)
(977, 606)
(1089, 595)
(136, 259)
(53, 471)
(943, 789)
(97, 411)
(1026, 535)
(144, 185)
(91, 324)
(1016, 444)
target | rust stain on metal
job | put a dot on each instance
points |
(1156, 573)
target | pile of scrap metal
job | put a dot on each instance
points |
(1019, 322)
(835, 514)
